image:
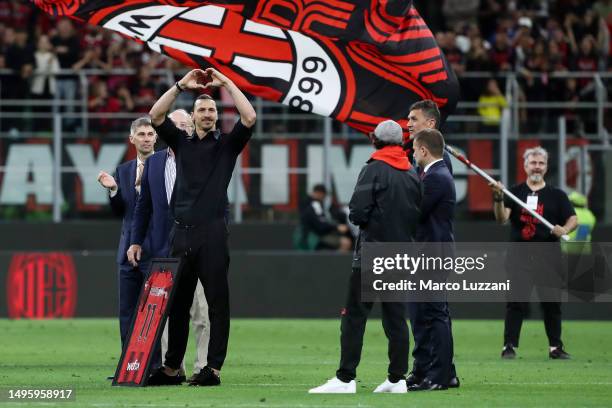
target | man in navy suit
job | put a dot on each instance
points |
(123, 190)
(152, 219)
(433, 367)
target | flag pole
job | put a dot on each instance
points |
(507, 192)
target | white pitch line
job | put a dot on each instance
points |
(543, 383)
(262, 404)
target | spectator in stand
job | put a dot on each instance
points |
(488, 13)
(491, 103)
(535, 83)
(143, 90)
(522, 50)
(556, 61)
(524, 28)
(557, 35)
(67, 48)
(19, 58)
(466, 36)
(579, 27)
(460, 11)
(501, 53)
(452, 52)
(507, 24)
(477, 60)
(478, 56)
(100, 101)
(16, 13)
(592, 26)
(93, 58)
(584, 59)
(43, 84)
(318, 230)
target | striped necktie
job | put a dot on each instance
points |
(170, 176)
(139, 170)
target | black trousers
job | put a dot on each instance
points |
(352, 329)
(433, 341)
(516, 312)
(546, 275)
(204, 255)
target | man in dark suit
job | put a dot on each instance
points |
(152, 219)
(433, 367)
(123, 190)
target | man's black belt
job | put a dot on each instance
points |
(181, 225)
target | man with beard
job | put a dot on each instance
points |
(554, 205)
(152, 219)
(205, 162)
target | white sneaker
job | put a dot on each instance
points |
(394, 388)
(335, 386)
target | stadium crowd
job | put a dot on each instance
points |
(533, 38)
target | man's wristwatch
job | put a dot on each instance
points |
(498, 198)
(178, 87)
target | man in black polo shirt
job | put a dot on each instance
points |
(553, 204)
(204, 165)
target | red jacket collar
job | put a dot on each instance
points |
(394, 156)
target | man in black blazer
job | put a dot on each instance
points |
(152, 221)
(123, 191)
(433, 367)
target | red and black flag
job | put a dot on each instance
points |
(358, 61)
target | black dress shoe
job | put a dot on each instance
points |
(206, 378)
(454, 382)
(427, 385)
(508, 352)
(413, 379)
(159, 377)
(558, 354)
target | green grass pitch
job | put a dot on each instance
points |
(273, 363)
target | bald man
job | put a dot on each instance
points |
(152, 218)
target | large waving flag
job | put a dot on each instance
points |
(358, 61)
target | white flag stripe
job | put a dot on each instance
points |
(264, 29)
(206, 14)
(267, 69)
(188, 48)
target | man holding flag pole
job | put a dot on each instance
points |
(549, 203)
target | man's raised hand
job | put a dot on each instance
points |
(107, 181)
(195, 79)
(218, 79)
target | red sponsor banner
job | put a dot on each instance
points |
(41, 286)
